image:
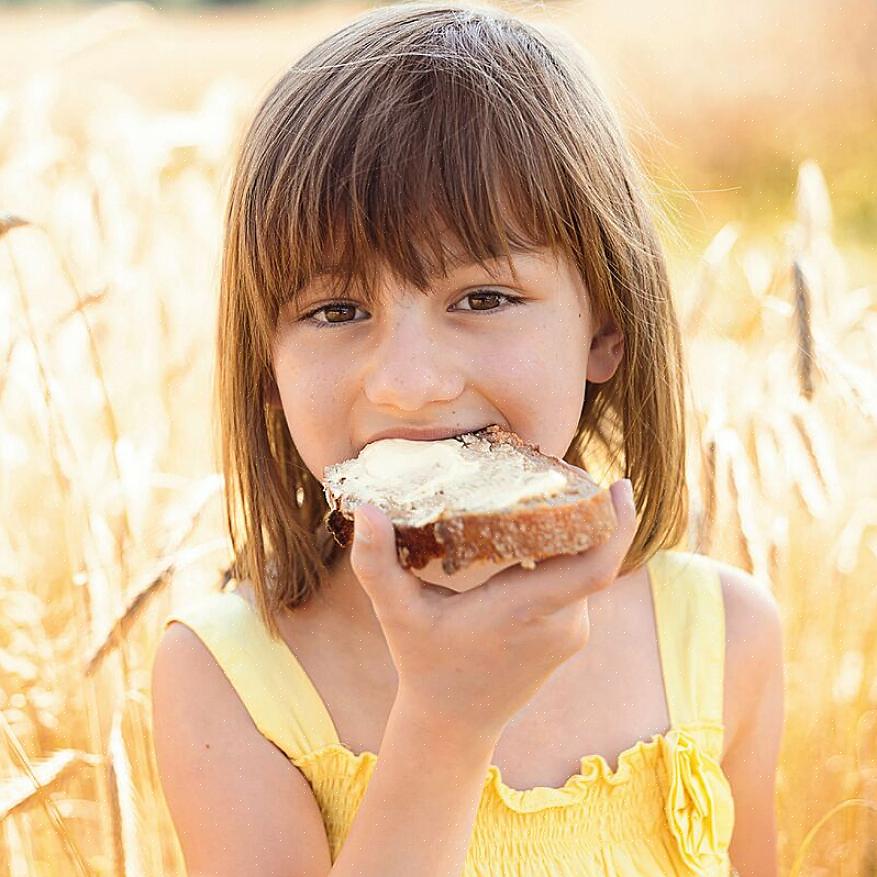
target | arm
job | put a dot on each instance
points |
(754, 690)
(242, 809)
(239, 807)
(418, 812)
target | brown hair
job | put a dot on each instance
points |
(414, 121)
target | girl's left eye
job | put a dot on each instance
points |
(336, 306)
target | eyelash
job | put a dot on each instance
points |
(309, 316)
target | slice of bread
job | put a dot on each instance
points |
(481, 496)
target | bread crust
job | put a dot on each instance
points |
(531, 530)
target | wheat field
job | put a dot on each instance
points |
(117, 128)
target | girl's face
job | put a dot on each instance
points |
(478, 349)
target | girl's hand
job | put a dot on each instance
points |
(476, 658)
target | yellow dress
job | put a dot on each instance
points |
(666, 810)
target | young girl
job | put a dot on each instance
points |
(436, 224)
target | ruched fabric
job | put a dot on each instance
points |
(666, 809)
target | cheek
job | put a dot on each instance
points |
(543, 371)
(308, 387)
(310, 396)
(546, 363)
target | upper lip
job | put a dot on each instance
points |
(421, 434)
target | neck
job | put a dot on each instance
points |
(343, 597)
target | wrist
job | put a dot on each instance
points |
(442, 728)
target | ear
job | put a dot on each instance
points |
(607, 350)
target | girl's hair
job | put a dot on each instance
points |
(414, 122)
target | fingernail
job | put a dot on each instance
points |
(628, 486)
(362, 528)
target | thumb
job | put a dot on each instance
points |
(375, 562)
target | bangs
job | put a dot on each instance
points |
(426, 161)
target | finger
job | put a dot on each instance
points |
(375, 562)
(566, 578)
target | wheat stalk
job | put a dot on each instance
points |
(851, 538)
(45, 774)
(9, 222)
(798, 462)
(41, 792)
(130, 822)
(154, 581)
(854, 383)
(64, 480)
(804, 332)
(817, 445)
(767, 461)
(713, 257)
(705, 537)
(808, 839)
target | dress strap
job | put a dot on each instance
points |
(273, 686)
(690, 619)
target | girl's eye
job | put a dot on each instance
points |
(483, 295)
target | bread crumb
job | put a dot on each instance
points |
(528, 563)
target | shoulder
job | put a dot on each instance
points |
(237, 804)
(754, 715)
(753, 621)
(189, 684)
(753, 642)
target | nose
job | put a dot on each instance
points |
(412, 365)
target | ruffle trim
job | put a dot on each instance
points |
(592, 769)
(699, 805)
(682, 753)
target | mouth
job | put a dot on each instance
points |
(421, 435)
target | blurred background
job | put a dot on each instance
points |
(756, 123)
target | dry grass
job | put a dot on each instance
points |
(108, 261)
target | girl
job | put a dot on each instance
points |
(435, 224)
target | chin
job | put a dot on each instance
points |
(471, 577)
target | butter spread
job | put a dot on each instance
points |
(421, 479)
